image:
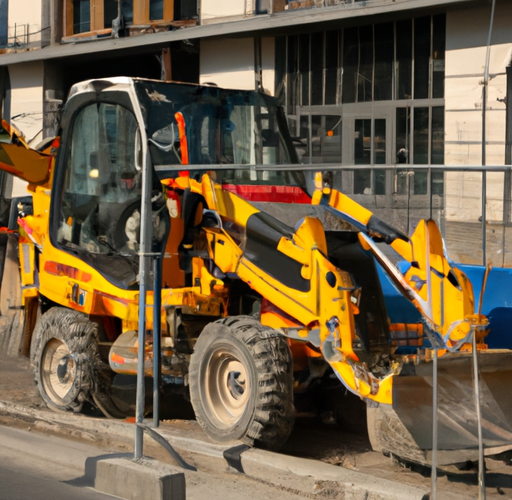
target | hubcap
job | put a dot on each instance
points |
(58, 370)
(227, 388)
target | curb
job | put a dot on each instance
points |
(303, 475)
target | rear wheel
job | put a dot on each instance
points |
(241, 383)
(67, 366)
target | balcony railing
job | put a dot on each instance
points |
(308, 4)
(24, 37)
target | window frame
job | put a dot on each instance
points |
(141, 15)
(73, 108)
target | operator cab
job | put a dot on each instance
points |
(97, 187)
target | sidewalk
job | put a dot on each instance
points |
(376, 477)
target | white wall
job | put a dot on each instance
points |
(466, 39)
(26, 15)
(268, 64)
(215, 11)
(228, 63)
(27, 105)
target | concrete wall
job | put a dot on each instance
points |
(466, 39)
(228, 63)
(215, 11)
(27, 106)
(268, 64)
(25, 17)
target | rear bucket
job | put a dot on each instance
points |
(405, 429)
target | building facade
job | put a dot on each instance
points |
(388, 93)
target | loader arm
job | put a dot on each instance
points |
(288, 267)
(17, 158)
(442, 293)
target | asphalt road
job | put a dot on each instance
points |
(35, 466)
(26, 474)
(20, 484)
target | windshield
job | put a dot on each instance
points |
(197, 125)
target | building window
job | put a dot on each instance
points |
(146, 11)
(385, 84)
(420, 135)
(415, 48)
(319, 138)
(85, 16)
(81, 16)
(127, 11)
(4, 16)
(156, 10)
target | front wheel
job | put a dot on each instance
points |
(241, 383)
(67, 366)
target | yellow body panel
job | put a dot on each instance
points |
(322, 312)
(17, 158)
(442, 293)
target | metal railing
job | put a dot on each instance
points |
(471, 204)
(22, 38)
(295, 4)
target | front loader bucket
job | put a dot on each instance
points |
(405, 429)
(17, 158)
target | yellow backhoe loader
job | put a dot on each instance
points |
(244, 294)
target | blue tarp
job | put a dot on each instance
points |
(497, 303)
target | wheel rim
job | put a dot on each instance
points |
(227, 388)
(58, 371)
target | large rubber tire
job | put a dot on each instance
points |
(67, 366)
(241, 383)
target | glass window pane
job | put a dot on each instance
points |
(421, 136)
(304, 69)
(404, 59)
(421, 57)
(331, 67)
(156, 10)
(81, 16)
(383, 61)
(350, 60)
(103, 176)
(4, 29)
(379, 182)
(437, 186)
(109, 12)
(127, 11)
(439, 29)
(292, 80)
(402, 181)
(326, 139)
(403, 132)
(303, 149)
(363, 181)
(317, 68)
(380, 142)
(317, 137)
(362, 142)
(420, 182)
(365, 75)
(280, 66)
(437, 135)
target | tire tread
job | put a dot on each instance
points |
(273, 417)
